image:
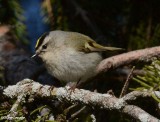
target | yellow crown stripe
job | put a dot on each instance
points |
(40, 40)
(37, 42)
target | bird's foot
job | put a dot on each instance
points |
(72, 86)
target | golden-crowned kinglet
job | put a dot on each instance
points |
(70, 56)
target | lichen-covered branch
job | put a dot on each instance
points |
(103, 101)
(128, 58)
(138, 114)
(13, 111)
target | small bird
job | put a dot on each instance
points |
(70, 56)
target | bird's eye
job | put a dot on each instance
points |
(44, 46)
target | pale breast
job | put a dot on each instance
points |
(71, 66)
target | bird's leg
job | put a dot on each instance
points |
(74, 86)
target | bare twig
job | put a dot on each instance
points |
(73, 116)
(70, 107)
(136, 94)
(144, 55)
(126, 84)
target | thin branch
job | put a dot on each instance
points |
(126, 84)
(73, 116)
(144, 55)
(136, 94)
(70, 107)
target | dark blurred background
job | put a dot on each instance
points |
(131, 24)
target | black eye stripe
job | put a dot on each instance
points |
(40, 40)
